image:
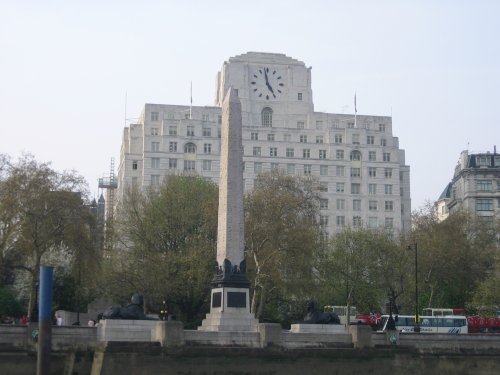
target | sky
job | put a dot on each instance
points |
(74, 73)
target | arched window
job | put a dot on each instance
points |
(190, 148)
(355, 155)
(267, 117)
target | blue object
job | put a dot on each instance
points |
(46, 283)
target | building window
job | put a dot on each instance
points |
(484, 185)
(340, 204)
(323, 186)
(205, 117)
(267, 117)
(207, 165)
(383, 142)
(256, 151)
(155, 163)
(387, 156)
(356, 205)
(319, 139)
(484, 205)
(323, 220)
(388, 189)
(172, 130)
(372, 189)
(207, 148)
(339, 154)
(154, 131)
(300, 124)
(306, 153)
(155, 146)
(372, 222)
(299, 96)
(340, 221)
(372, 156)
(172, 163)
(319, 125)
(270, 137)
(350, 125)
(190, 148)
(257, 168)
(372, 205)
(356, 221)
(290, 169)
(323, 170)
(355, 155)
(289, 152)
(154, 116)
(370, 140)
(323, 204)
(389, 222)
(189, 165)
(172, 146)
(355, 172)
(340, 171)
(355, 188)
(389, 205)
(170, 116)
(273, 151)
(155, 179)
(381, 128)
(355, 139)
(388, 172)
(207, 132)
(303, 139)
(372, 172)
(134, 164)
(275, 166)
(287, 137)
(190, 131)
(322, 154)
(186, 116)
(307, 169)
(254, 136)
(338, 138)
(219, 119)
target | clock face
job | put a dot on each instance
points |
(267, 83)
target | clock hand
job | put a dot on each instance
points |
(265, 75)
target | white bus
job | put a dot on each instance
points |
(452, 324)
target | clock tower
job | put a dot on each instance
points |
(269, 82)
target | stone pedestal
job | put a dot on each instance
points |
(126, 330)
(318, 328)
(169, 333)
(270, 334)
(361, 336)
(229, 311)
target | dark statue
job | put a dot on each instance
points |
(314, 316)
(133, 311)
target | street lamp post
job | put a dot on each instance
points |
(417, 318)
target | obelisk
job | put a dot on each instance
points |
(230, 301)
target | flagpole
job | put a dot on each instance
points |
(355, 111)
(191, 102)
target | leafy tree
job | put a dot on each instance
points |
(455, 256)
(168, 240)
(9, 305)
(281, 237)
(43, 220)
(362, 267)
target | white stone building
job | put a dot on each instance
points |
(362, 171)
(475, 187)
